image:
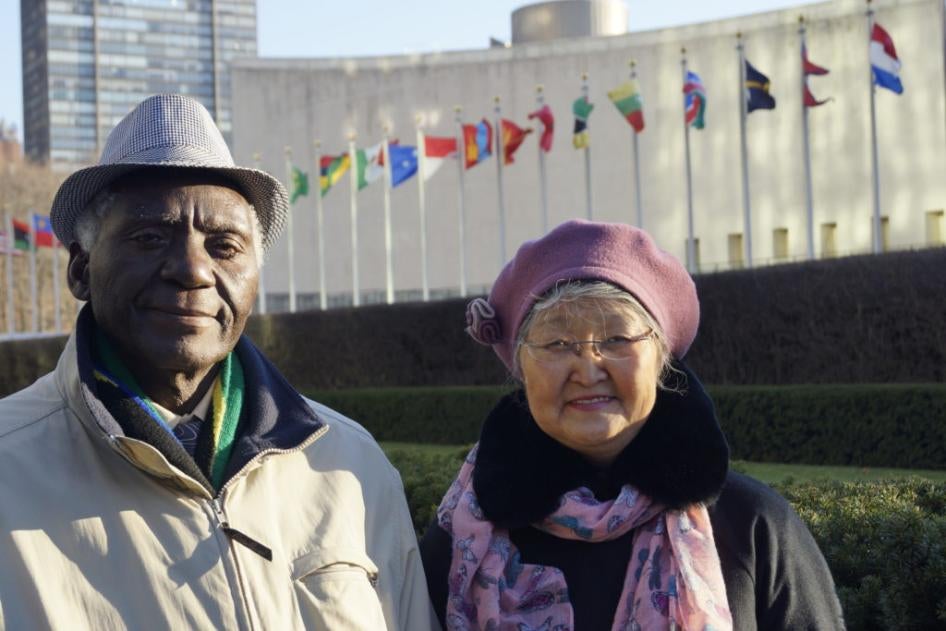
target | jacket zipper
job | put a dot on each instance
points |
(235, 535)
(216, 504)
(221, 518)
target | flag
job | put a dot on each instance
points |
(757, 90)
(43, 232)
(368, 165)
(513, 135)
(477, 142)
(21, 235)
(403, 163)
(627, 98)
(694, 100)
(544, 114)
(3, 245)
(331, 169)
(436, 150)
(809, 68)
(300, 185)
(884, 61)
(581, 108)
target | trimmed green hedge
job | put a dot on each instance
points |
(860, 319)
(864, 425)
(884, 541)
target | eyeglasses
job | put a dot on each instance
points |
(615, 347)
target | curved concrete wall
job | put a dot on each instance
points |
(282, 102)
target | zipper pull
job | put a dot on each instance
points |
(247, 541)
(237, 536)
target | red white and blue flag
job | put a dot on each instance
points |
(883, 60)
(695, 100)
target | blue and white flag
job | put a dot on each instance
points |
(883, 60)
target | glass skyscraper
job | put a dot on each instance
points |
(87, 63)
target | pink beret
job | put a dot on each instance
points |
(586, 250)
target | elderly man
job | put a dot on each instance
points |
(166, 475)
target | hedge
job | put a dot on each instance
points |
(863, 319)
(892, 425)
(884, 541)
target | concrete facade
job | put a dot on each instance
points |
(293, 102)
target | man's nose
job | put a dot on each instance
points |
(188, 263)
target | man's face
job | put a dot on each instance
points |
(173, 274)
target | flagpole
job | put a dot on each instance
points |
(875, 169)
(691, 249)
(11, 243)
(34, 298)
(353, 189)
(806, 147)
(319, 215)
(497, 122)
(57, 299)
(588, 200)
(461, 210)
(422, 208)
(743, 113)
(388, 272)
(289, 239)
(543, 182)
(637, 164)
(261, 290)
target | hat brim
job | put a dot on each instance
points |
(266, 194)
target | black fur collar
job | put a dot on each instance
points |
(679, 457)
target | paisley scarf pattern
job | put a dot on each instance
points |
(674, 579)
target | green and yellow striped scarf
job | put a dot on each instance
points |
(217, 437)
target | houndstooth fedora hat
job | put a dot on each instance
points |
(168, 130)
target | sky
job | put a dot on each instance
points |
(323, 28)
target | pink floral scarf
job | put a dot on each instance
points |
(673, 581)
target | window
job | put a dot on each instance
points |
(934, 228)
(736, 251)
(884, 233)
(694, 265)
(780, 243)
(829, 244)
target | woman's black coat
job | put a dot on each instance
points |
(776, 578)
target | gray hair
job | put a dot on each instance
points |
(90, 221)
(600, 293)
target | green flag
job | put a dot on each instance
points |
(581, 108)
(300, 185)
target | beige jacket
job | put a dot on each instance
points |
(102, 532)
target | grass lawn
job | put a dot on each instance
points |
(767, 472)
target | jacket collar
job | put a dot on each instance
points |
(680, 457)
(274, 415)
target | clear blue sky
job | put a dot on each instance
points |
(319, 28)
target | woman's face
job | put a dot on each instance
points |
(589, 403)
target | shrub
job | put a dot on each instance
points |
(869, 425)
(886, 545)
(861, 319)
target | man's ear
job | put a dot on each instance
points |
(78, 272)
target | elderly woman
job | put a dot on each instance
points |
(598, 495)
